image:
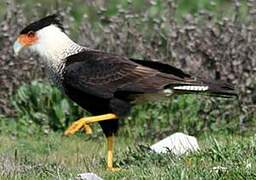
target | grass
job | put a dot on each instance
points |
(54, 156)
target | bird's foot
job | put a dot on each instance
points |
(87, 129)
(83, 123)
(112, 169)
(77, 125)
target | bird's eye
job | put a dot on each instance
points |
(31, 34)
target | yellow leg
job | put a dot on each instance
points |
(110, 142)
(84, 123)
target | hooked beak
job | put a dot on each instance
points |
(17, 46)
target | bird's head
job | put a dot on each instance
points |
(44, 36)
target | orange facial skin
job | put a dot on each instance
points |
(27, 39)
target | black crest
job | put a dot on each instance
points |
(48, 20)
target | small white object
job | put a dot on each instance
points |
(192, 88)
(248, 165)
(88, 176)
(218, 169)
(177, 143)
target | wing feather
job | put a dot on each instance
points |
(103, 74)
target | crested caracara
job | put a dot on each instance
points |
(107, 85)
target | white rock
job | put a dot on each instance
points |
(218, 169)
(88, 176)
(177, 143)
(248, 165)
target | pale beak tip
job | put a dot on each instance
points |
(17, 47)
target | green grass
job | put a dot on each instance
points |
(53, 156)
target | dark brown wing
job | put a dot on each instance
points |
(102, 74)
(162, 67)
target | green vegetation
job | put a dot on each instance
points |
(45, 106)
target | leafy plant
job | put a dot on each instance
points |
(45, 106)
(188, 113)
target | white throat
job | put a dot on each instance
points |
(54, 45)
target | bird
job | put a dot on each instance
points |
(106, 84)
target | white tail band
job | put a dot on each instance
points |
(191, 88)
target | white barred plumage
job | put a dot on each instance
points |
(191, 88)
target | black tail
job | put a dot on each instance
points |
(221, 89)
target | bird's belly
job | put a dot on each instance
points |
(93, 104)
(158, 96)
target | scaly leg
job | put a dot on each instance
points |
(84, 123)
(110, 142)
